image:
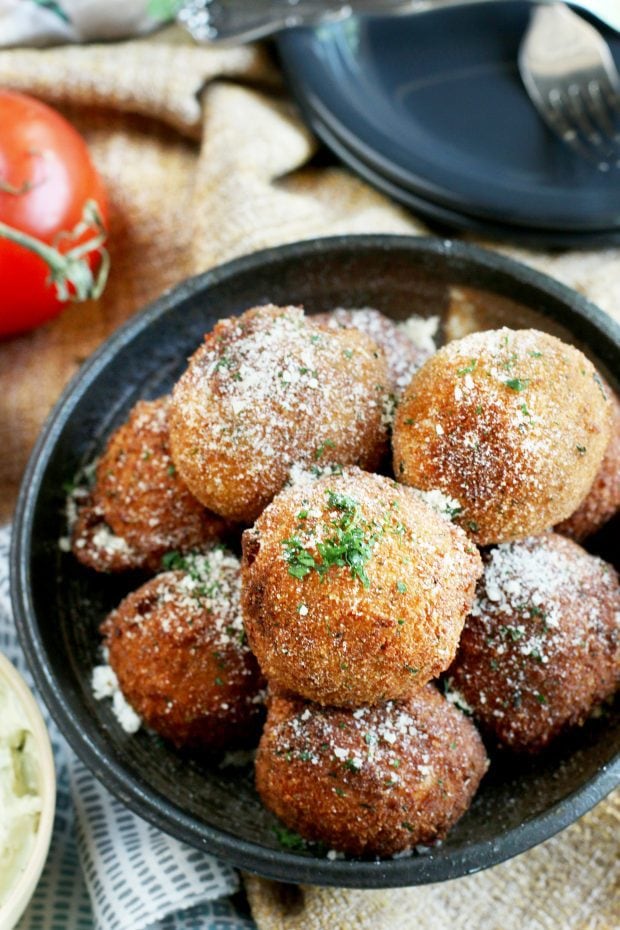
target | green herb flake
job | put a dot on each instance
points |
(517, 384)
(300, 561)
(412, 670)
(401, 587)
(173, 561)
(467, 370)
(473, 526)
(328, 444)
(289, 839)
(407, 826)
(541, 698)
(581, 450)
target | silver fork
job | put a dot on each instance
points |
(572, 80)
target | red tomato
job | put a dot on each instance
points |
(46, 179)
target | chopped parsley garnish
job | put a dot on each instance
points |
(173, 561)
(535, 354)
(407, 826)
(581, 450)
(289, 839)
(328, 444)
(401, 587)
(351, 765)
(541, 698)
(412, 670)
(473, 526)
(467, 370)
(171, 470)
(517, 384)
(350, 544)
(300, 561)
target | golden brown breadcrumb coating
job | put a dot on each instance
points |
(95, 545)
(354, 590)
(542, 644)
(179, 651)
(372, 781)
(269, 390)
(513, 424)
(139, 492)
(603, 499)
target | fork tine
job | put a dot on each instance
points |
(592, 125)
(600, 115)
(554, 112)
(610, 92)
(570, 75)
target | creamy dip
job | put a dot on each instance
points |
(20, 801)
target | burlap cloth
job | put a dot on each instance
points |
(205, 158)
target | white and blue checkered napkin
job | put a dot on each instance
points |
(108, 869)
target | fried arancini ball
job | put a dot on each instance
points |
(178, 649)
(603, 498)
(355, 591)
(139, 493)
(372, 781)
(95, 545)
(269, 390)
(402, 354)
(513, 424)
(542, 644)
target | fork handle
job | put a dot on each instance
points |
(229, 21)
(234, 21)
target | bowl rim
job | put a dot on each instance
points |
(18, 898)
(147, 802)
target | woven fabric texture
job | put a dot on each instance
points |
(205, 159)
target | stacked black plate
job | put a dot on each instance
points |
(430, 108)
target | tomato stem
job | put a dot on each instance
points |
(70, 269)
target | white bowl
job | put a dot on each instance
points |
(20, 895)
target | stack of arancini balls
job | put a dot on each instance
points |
(367, 612)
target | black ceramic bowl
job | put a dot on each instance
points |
(58, 604)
